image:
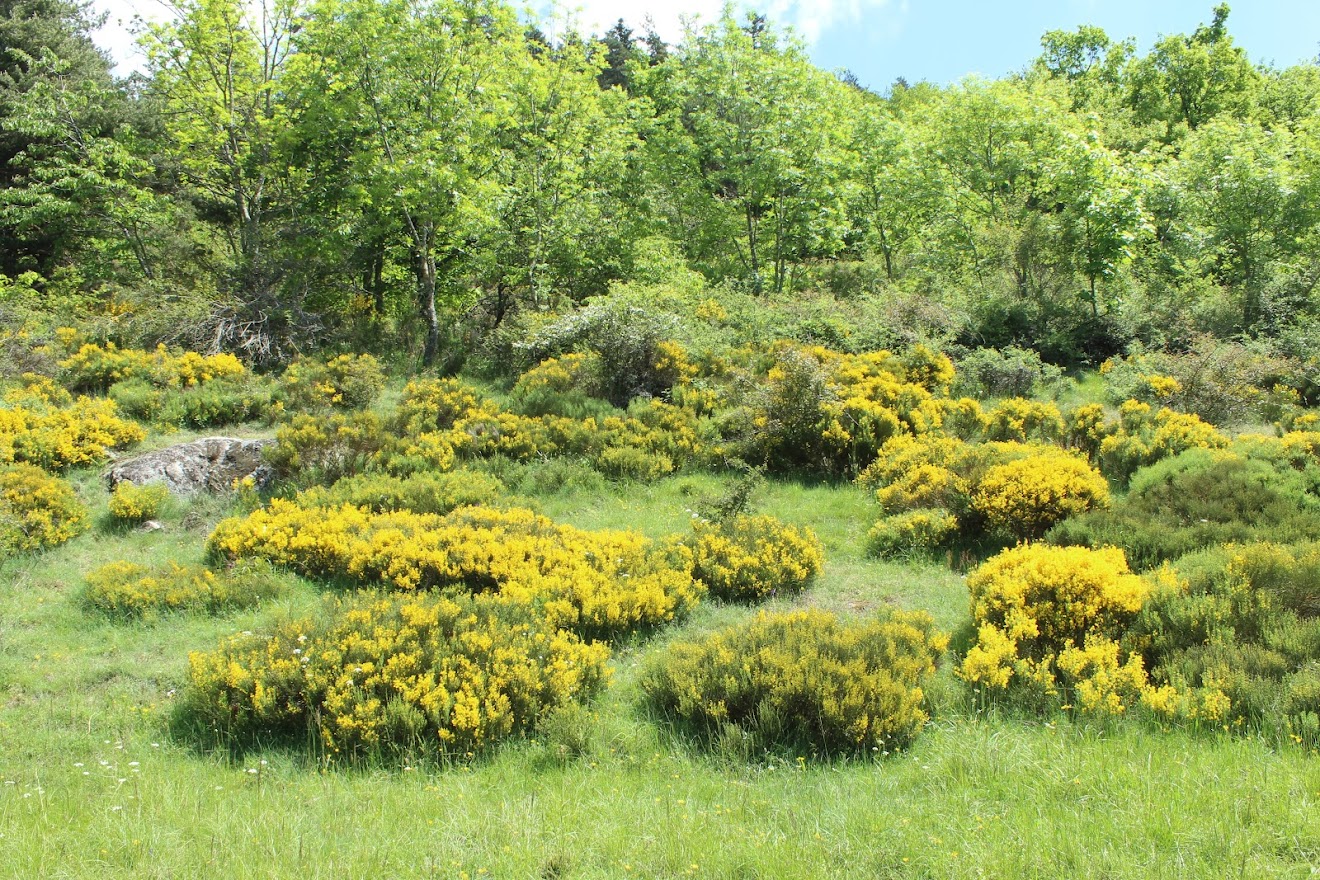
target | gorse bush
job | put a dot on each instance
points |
(802, 680)
(56, 438)
(126, 589)
(420, 493)
(913, 532)
(1003, 490)
(131, 504)
(1024, 498)
(746, 558)
(347, 382)
(95, 367)
(377, 675)
(1141, 439)
(598, 583)
(323, 449)
(1049, 621)
(37, 510)
(1023, 420)
(1238, 632)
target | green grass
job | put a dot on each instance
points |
(92, 785)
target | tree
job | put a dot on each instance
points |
(620, 50)
(1187, 81)
(420, 87)
(45, 50)
(751, 147)
(1242, 205)
(896, 192)
(217, 76)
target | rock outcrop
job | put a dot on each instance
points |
(211, 464)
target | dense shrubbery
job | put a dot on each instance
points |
(746, 558)
(126, 589)
(802, 679)
(1202, 498)
(598, 583)
(382, 674)
(37, 510)
(917, 532)
(1000, 490)
(1239, 630)
(96, 367)
(1006, 372)
(421, 493)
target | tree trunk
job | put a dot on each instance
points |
(426, 296)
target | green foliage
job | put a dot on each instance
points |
(312, 449)
(1007, 372)
(345, 382)
(1200, 498)
(748, 558)
(1239, 630)
(420, 493)
(802, 680)
(911, 533)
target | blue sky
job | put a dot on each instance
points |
(937, 40)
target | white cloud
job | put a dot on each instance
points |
(809, 19)
(116, 36)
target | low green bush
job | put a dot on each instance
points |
(126, 589)
(912, 533)
(420, 493)
(1200, 498)
(801, 680)
(131, 504)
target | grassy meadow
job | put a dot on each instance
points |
(95, 785)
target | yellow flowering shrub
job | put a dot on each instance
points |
(1051, 618)
(325, 448)
(126, 589)
(38, 392)
(1087, 428)
(348, 381)
(96, 367)
(802, 679)
(747, 558)
(1143, 439)
(595, 582)
(1021, 419)
(37, 510)
(919, 531)
(426, 492)
(385, 674)
(130, 503)
(59, 438)
(436, 405)
(555, 375)
(1025, 497)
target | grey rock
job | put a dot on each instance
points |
(208, 465)
(151, 525)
